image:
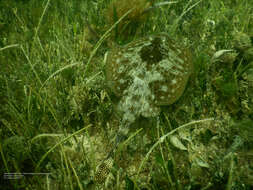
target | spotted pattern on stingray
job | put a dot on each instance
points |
(150, 71)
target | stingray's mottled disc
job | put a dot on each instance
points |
(148, 73)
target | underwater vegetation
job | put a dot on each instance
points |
(120, 94)
(128, 27)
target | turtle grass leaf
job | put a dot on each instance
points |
(218, 54)
(174, 140)
(201, 162)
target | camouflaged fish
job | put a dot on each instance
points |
(145, 74)
(148, 73)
